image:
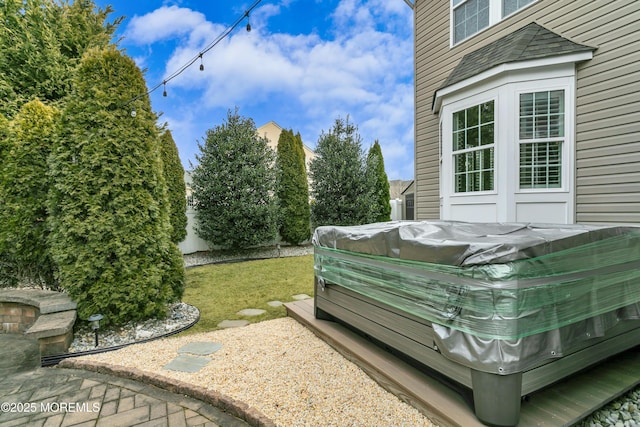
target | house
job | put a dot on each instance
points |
(272, 132)
(192, 243)
(527, 110)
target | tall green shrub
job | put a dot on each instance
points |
(41, 42)
(234, 186)
(109, 217)
(375, 166)
(342, 190)
(293, 190)
(24, 185)
(176, 190)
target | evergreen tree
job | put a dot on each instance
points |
(342, 190)
(234, 186)
(23, 190)
(177, 194)
(109, 218)
(41, 42)
(293, 190)
(375, 166)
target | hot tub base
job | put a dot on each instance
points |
(497, 398)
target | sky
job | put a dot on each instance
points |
(304, 64)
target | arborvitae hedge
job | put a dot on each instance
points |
(375, 163)
(41, 42)
(176, 190)
(342, 190)
(109, 217)
(24, 186)
(293, 190)
(234, 186)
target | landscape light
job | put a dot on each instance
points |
(95, 324)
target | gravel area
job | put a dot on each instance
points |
(179, 315)
(283, 370)
(202, 258)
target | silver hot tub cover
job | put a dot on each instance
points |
(501, 297)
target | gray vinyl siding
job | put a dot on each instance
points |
(607, 99)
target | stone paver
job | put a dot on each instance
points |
(275, 303)
(186, 363)
(301, 297)
(233, 323)
(200, 348)
(57, 397)
(251, 312)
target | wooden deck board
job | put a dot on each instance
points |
(560, 405)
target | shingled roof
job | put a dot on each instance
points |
(529, 42)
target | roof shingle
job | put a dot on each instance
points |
(529, 42)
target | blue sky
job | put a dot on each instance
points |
(304, 64)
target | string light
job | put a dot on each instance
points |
(210, 46)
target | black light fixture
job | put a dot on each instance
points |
(248, 23)
(201, 64)
(164, 91)
(95, 324)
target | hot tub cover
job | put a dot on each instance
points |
(499, 294)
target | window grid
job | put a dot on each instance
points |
(511, 6)
(469, 17)
(541, 118)
(541, 164)
(473, 148)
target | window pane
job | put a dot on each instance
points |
(458, 140)
(486, 134)
(474, 167)
(526, 127)
(472, 116)
(542, 115)
(541, 103)
(541, 127)
(473, 139)
(526, 104)
(510, 6)
(469, 18)
(486, 112)
(458, 121)
(541, 165)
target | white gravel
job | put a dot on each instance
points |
(282, 369)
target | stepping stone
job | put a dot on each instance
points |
(184, 363)
(275, 303)
(301, 297)
(200, 348)
(233, 323)
(251, 312)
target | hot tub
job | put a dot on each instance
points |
(503, 309)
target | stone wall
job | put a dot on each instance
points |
(16, 318)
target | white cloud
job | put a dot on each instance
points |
(163, 23)
(364, 70)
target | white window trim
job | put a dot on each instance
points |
(504, 87)
(495, 16)
(567, 156)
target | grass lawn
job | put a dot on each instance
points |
(219, 291)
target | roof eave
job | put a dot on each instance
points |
(501, 69)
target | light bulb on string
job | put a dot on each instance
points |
(248, 23)
(164, 92)
(201, 64)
